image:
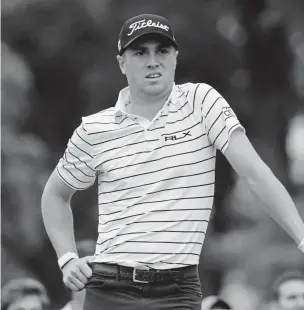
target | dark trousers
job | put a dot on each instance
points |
(105, 291)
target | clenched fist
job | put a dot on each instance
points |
(77, 272)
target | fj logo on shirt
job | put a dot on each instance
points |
(178, 137)
(227, 111)
(143, 24)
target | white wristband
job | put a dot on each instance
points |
(65, 258)
(301, 246)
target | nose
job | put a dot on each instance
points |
(152, 60)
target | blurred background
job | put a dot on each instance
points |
(59, 63)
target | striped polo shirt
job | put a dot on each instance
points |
(155, 179)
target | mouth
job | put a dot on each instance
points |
(153, 76)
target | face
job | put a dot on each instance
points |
(291, 295)
(149, 67)
(29, 302)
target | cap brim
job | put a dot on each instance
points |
(155, 32)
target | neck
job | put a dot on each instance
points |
(147, 106)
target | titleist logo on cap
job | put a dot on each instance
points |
(143, 24)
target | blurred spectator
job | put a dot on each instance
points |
(85, 247)
(214, 302)
(288, 291)
(24, 294)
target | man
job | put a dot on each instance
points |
(24, 294)
(288, 291)
(214, 303)
(154, 154)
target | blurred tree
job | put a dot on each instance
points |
(23, 168)
(267, 58)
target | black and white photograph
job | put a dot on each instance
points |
(152, 155)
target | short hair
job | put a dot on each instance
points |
(18, 288)
(283, 278)
(214, 302)
(220, 304)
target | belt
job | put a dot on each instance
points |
(148, 275)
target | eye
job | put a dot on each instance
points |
(164, 50)
(139, 53)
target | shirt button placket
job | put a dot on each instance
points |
(147, 143)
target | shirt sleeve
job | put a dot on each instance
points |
(75, 167)
(218, 117)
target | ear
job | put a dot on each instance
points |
(121, 62)
(176, 54)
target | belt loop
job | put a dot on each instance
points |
(118, 273)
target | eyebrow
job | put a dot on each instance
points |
(291, 296)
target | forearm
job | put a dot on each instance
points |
(278, 202)
(58, 221)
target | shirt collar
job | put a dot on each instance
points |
(124, 99)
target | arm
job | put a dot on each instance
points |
(74, 171)
(58, 221)
(57, 215)
(260, 179)
(226, 134)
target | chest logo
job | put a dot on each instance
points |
(179, 136)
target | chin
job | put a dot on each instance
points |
(155, 89)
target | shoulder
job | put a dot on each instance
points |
(195, 90)
(198, 93)
(102, 117)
